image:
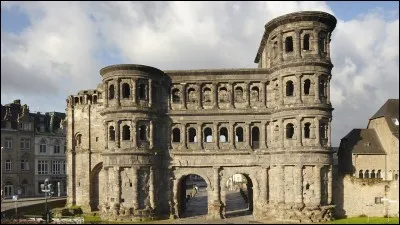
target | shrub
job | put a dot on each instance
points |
(362, 215)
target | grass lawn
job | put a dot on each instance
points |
(364, 220)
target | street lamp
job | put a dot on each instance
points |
(46, 187)
(2, 174)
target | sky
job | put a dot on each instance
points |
(50, 50)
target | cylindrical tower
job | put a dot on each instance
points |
(296, 49)
(135, 106)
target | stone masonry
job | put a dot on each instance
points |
(134, 139)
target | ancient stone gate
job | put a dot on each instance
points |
(142, 130)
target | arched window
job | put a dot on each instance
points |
(192, 135)
(142, 91)
(111, 92)
(191, 96)
(94, 99)
(289, 88)
(306, 42)
(223, 135)
(176, 96)
(289, 44)
(126, 133)
(378, 174)
(307, 130)
(79, 139)
(238, 94)
(361, 174)
(289, 131)
(255, 137)
(323, 131)
(142, 133)
(373, 174)
(207, 96)
(207, 135)
(255, 93)
(321, 42)
(126, 90)
(76, 100)
(112, 133)
(239, 134)
(176, 135)
(307, 84)
(322, 88)
(366, 175)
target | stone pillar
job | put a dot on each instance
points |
(107, 181)
(232, 95)
(315, 41)
(317, 139)
(151, 189)
(299, 135)
(200, 135)
(184, 135)
(117, 185)
(281, 183)
(135, 173)
(106, 134)
(184, 98)
(329, 132)
(317, 184)
(316, 92)
(175, 194)
(280, 46)
(150, 92)
(133, 92)
(134, 135)
(264, 94)
(298, 184)
(117, 136)
(262, 133)
(330, 183)
(328, 48)
(328, 92)
(297, 43)
(215, 213)
(282, 133)
(215, 95)
(200, 91)
(281, 101)
(248, 94)
(232, 134)
(117, 91)
(248, 135)
(216, 136)
(298, 94)
(105, 86)
(264, 187)
(151, 135)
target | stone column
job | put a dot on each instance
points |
(330, 183)
(134, 135)
(316, 92)
(315, 40)
(105, 85)
(298, 94)
(317, 184)
(200, 135)
(264, 94)
(151, 134)
(328, 48)
(282, 87)
(329, 132)
(107, 181)
(232, 134)
(248, 135)
(216, 135)
(215, 213)
(184, 135)
(175, 194)
(118, 91)
(298, 43)
(232, 95)
(248, 94)
(264, 187)
(328, 91)
(135, 173)
(133, 92)
(282, 133)
(184, 98)
(280, 46)
(317, 139)
(262, 133)
(200, 91)
(117, 131)
(150, 92)
(281, 183)
(117, 185)
(105, 134)
(215, 95)
(299, 135)
(298, 184)
(151, 189)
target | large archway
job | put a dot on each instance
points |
(239, 195)
(192, 196)
(95, 187)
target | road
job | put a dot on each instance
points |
(10, 204)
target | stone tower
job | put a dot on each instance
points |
(135, 139)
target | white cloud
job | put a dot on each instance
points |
(59, 53)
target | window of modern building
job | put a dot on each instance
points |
(42, 167)
(25, 165)
(56, 167)
(8, 165)
(42, 146)
(64, 168)
(8, 142)
(57, 147)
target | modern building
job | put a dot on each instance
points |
(369, 164)
(134, 139)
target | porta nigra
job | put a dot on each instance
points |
(134, 139)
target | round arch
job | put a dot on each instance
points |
(95, 187)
